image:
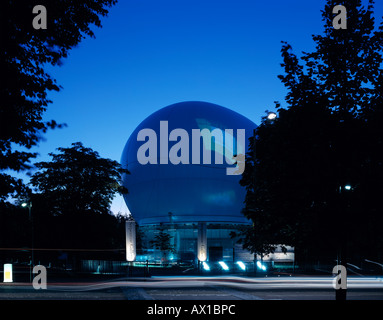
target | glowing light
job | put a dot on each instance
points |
(24, 204)
(205, 266)
(8, 272)
(202, 241)
(241, 265)
(347, 187)
(271, 116)
(130, 239)
(223, 265)
(261, 266)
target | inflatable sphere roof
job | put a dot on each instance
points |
(184, 163)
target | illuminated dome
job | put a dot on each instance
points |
(191, 192)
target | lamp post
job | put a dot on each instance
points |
(28, 204)
(344, 190)
(271, 117)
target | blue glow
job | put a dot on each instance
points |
(223, 265)
(241, 265)
(205, 266)
(347, 187)
(261, 266)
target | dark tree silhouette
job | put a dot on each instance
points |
(72, 200)
(25, 53)
(328, 137)
(78, 180)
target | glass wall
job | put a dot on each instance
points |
(183, 238)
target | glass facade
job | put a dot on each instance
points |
(184, 238)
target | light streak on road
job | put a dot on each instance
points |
(229, 281)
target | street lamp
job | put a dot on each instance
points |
(271, 116)
(28, 204)
(344, 201)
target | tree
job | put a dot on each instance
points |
(73, 196)
(78, 180)
(162, 242)
(24, 56)
(326, 138)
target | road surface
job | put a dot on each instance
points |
(197, 288)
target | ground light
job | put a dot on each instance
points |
(261, 266)
(205, 266)
(223, 265)
(241, 265)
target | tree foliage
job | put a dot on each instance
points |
(162, 242)
(70, 210)
(328, 136)
(25, 54)
(73, 194)
(78, 180)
